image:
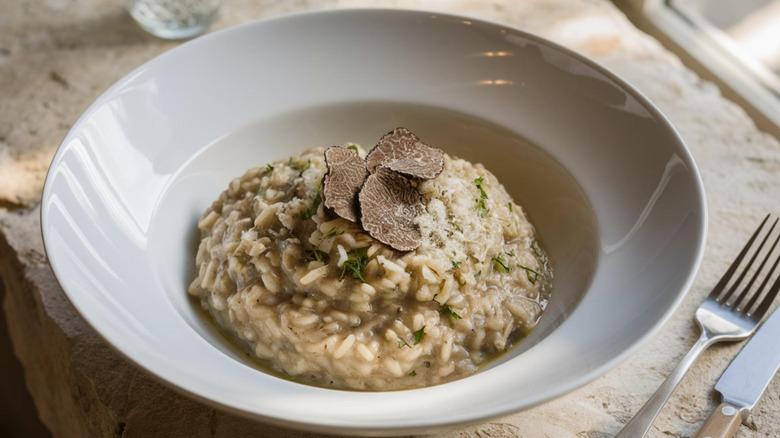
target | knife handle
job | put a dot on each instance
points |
(723, 422)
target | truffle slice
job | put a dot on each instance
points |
(346, 174)
(388, 205)
(402, 151)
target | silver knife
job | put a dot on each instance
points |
(743, 382)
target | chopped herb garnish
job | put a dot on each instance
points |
(402, 343)
(412, 373)
(312, 210)
(500, 264)
(478, 275)
(455, 265)
(481, 206)
(419, 335)
(269, 168)
(354, 148)
(530, 273)
(447, 311)
(511, 206)
(483, 210)
(355, 263)
(333, 233)
(300, 166)
(320, 256)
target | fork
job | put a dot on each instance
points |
(725, 315)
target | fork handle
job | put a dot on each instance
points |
(723, 422)
(640, 424)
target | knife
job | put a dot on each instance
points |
(746, 378)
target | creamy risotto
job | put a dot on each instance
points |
(315, 296)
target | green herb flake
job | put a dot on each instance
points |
(455, 265)
(531, 274)
(419, 335)
(333, 233)
(499, 264)
(300, 166)
(483, 209)
(412, 373)
(315, 204)
(447, 311)
(481, 206)
(320, 256)
(511, 207)
(402, 343)
(269, 168)
(354, 148)
(355, 264)
(478, 275)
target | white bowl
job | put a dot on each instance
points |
(610, 185)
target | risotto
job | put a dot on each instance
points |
(319, 298)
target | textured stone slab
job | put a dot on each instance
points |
(57, 56)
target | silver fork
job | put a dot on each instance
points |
(727, 314)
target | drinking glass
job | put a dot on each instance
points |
(174, 19)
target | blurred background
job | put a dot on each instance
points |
(733, 43)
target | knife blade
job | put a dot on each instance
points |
(745, 380)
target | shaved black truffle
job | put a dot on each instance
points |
(389, 204)
(346, 174)
(402, 151)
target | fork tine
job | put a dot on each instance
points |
(744, 272)
(767, 301)
(770, 296)
(716, 291)
(746, 290)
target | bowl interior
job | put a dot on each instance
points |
(534, 179)
(609, 184)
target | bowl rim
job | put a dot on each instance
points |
(427, 424)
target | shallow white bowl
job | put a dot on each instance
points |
(611, 187)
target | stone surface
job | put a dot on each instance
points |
(56, 56)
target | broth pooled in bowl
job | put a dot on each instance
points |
(399, 268)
